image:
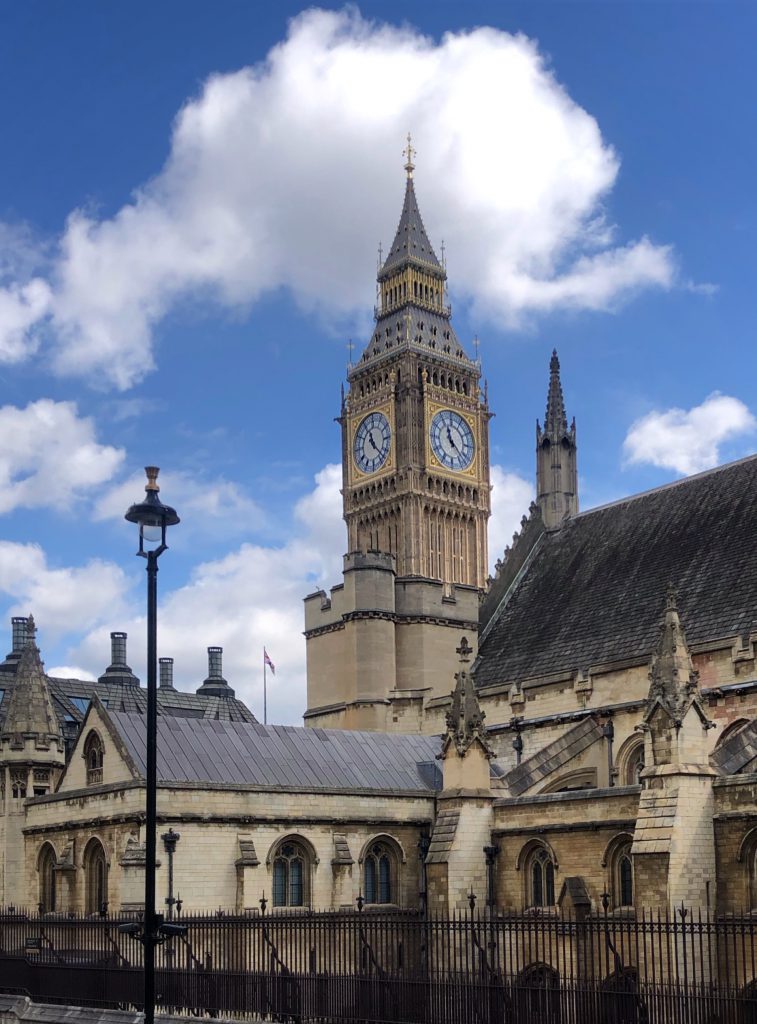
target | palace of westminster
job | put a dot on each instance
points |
(583, 723)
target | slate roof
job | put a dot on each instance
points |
(594, 590)
(410, 240)
(290, 757)
(737, 752)
(71, 697)
(553, 757)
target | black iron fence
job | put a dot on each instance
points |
(375, 967)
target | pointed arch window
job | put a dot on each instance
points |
(95, 878)
(291, 875)
(94, 755)
(379, 872)
(619, 863)
(46, 868)
(541, 878)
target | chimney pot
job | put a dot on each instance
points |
(118, 649)
(215, 660)
(20, 632)
(166, 673)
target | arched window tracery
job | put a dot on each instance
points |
(291, 874)
(94, 756)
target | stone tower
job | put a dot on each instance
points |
(415, 451)
(33, 755)
(556, 468)
(415, 470)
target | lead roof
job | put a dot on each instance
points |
(290, 757)
(593, 591)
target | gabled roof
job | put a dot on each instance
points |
(287, 757)
(591, 593)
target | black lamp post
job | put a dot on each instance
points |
(152, 517)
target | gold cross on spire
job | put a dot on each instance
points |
(409, 152)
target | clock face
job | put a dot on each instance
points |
(372, 440)
(452, 440)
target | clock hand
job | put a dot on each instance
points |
(375, 446)
(449, 438)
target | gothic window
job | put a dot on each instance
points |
(46, 870)
(291, 875)
(624, 879)
(379, 869)
(18, 784)
(93, 757)
(617, 859)
(536, 994)
(95, 878)
(630, 762)
(541, 878)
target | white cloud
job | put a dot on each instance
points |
(511, 496)
(688, 440)
(286, 173)
(62, 600)
(22, 307)
(249, 598)
(203, 504)
(48, 454)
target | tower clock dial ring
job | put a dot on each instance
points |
(373, 438)
(452, 440)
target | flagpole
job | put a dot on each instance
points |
(265, 692)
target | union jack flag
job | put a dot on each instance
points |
(268, 661)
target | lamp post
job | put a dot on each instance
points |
(152, 517)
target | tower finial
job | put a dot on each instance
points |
(409, 152)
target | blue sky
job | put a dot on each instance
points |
(191, 201)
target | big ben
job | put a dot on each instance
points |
(416, 492)
(415, 451)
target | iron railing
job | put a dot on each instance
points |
(371, 966)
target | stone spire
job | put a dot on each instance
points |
(555, 420)
(556, 450)
(465, 719)
(673, 680)
(411, 243)
(30, 707)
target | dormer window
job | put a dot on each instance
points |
(93, 756)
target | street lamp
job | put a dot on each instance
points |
(152, 517)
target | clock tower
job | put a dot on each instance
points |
(415, 471)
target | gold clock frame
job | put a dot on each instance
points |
(471, 472)
(356, 474)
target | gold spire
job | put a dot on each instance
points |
(409, 152)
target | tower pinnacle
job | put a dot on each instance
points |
(556, 471)
(409, 153)
(555, 420)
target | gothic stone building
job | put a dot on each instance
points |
(583, 723)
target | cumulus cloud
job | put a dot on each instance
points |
(284, 174)
(242, 601)
(203, 503)
(62, 599)
(688, 440)
(511, 496)
(48, 454)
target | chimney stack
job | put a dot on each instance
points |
(118, 671)
(215, 685)
(19, 640)
(20, 632)
(166, 674)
